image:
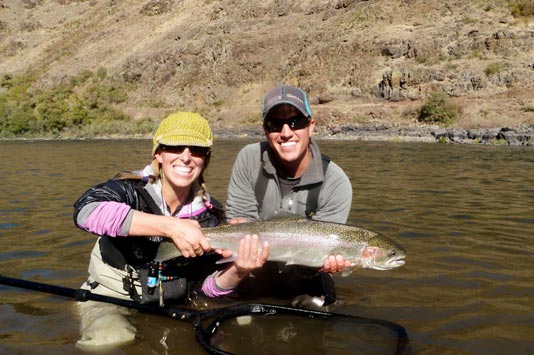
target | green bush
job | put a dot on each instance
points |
(101, 73)
(493, 68)
(51, 109)
(99, 95)
(64, 107)
(145, 126)
(17, 121)
(78, 111)
(437, 110)
(522, 8)
(81, 78)
(16, 105)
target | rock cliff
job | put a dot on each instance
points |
(361, 62)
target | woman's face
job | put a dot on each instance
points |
(181, 166)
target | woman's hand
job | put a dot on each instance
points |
(185, 233)
(188, 237)
(248, 259)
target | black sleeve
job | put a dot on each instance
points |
(112, 190)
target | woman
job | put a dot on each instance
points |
(133, 213)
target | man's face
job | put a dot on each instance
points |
(288, 133)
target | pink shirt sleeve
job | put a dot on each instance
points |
(107, 219)
(210, 288)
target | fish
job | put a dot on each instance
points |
(304, 242)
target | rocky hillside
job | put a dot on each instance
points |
(362, 62)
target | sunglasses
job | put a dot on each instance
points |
(276, 125)
(199, 152)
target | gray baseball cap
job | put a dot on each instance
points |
(286, 94)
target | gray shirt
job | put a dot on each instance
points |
(334, 200)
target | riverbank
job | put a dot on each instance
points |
(522, 135)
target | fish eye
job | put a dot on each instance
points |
(392, 253)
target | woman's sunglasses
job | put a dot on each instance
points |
(199, 152)
(275, 125)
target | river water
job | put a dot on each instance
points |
(464, 214)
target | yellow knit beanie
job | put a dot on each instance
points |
(183, 128)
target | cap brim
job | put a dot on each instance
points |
(281, 102)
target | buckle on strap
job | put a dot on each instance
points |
(128, 282)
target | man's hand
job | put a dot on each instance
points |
(334, 263)
(238, 220)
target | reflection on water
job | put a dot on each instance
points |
(465, 215)
(275, 335)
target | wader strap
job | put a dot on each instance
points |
(313, 193)
(128, 284)
(152, 205)
(263, 179)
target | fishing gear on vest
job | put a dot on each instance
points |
(145, 280)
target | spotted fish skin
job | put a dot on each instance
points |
(304, 242)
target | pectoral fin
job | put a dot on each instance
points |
(346, 272)
(227, 260)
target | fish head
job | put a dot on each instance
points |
(382, 254)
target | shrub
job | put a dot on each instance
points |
(16, 105)
(101, 73)
(81, 78)
(100, 95)
(437, 110)
(51, 108)
(78, 103)
(493, 68)
(522, 8)
(18, 122)
(145, 126)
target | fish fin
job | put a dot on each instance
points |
(284, 216)
(227, 260)
(346, 272)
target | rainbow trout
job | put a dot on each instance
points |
(304, 242)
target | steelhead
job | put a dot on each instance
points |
(304, 242)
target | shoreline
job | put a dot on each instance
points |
(522, 135)
(511, 136)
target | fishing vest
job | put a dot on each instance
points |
(134, 256)
(118, 251)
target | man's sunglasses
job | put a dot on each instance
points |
(275, 125)
(199, 152)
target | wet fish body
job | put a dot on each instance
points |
(305, 242)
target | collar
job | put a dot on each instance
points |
(193, 207)
(312, 175)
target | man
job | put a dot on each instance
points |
(288, 174)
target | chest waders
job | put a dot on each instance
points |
(311, 207)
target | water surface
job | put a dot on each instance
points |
(465, 215)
